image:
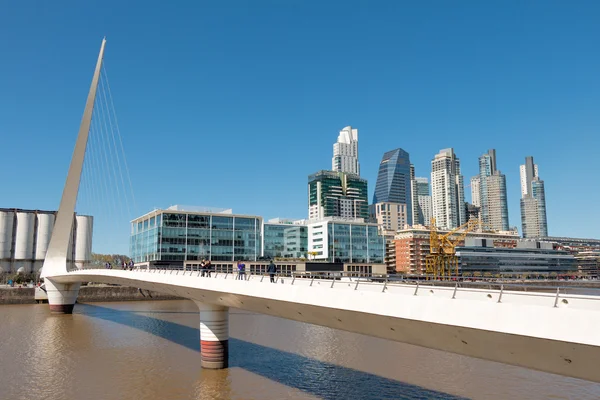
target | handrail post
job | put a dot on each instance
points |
(384, 286)
(501, 292)
(417, 289)
(356, 286)
(556, 299)
(332, 282)
(293, 279)
(312, 279)
(262, 277)
(455, 289)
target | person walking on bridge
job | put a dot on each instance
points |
(272, 270)
(241, 270)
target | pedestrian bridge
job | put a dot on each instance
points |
(555, 333)
(552, 332)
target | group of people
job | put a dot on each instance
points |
(205, 267)
(126, 265)
(271, 270)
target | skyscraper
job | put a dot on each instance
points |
(421, 201)
(533, 201)
(492, 193)
(337, 194)
(447, 190)
(393, 180)
(475, 194)
(345, 152)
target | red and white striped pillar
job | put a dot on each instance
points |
(214, 336)
(61, 296)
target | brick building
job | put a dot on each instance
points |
(412, 247)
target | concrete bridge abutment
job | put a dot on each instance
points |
(214, 336)
(61, 296)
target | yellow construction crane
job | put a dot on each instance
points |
(442, 260)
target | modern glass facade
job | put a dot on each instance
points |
(538, 193)
(393, 180)
(492, 193)
(498, 260)
(284, 241)
(165, 235)
(347, 242)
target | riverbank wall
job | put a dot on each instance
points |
(87, 294)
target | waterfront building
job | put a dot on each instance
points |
(447, 190)
(178, 234)
(492, 198)
(533, 201)
(479, 256)
(389, 216)
(345, 152)
(412, 246)
(25, 235)
(345, 241)
(337, 194)
(393, 180)
(284, 239)
(573, 245)
(588, 263)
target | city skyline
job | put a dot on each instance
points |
(277, 112)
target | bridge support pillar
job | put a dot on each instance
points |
(214, 336)
(61, 296)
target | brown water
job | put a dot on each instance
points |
(150, 350)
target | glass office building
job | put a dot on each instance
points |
(284, 241)
(517, 260)
(177, 235)
(393, 180)
(348, 242)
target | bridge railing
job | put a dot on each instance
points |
(494, 288)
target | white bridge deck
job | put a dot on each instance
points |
(551, 332)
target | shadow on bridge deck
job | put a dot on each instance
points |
(324, 380)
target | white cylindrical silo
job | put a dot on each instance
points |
(83, 240)
(6, 235)
(24, 239)
(44, 232)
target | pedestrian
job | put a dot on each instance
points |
(241, 270)
(272, 270)
(203, 268)
(208, 266)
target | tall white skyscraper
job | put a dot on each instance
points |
(533, 201)
(345, 152)
(447, 190)
(475, 195)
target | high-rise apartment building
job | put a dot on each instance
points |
(492, 193)
(393, 180)
(533, 201)
(337, 194)
(345, 152)
(421, 201)
(475, 194)
(390, 217)
(447, 190)
(528, 171)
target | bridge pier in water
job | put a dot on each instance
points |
(61, 296)
(214, 335)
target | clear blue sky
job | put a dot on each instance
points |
(234, 103)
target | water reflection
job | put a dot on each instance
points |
(321, 379)
(149, 350)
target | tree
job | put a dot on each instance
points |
(99, 260)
